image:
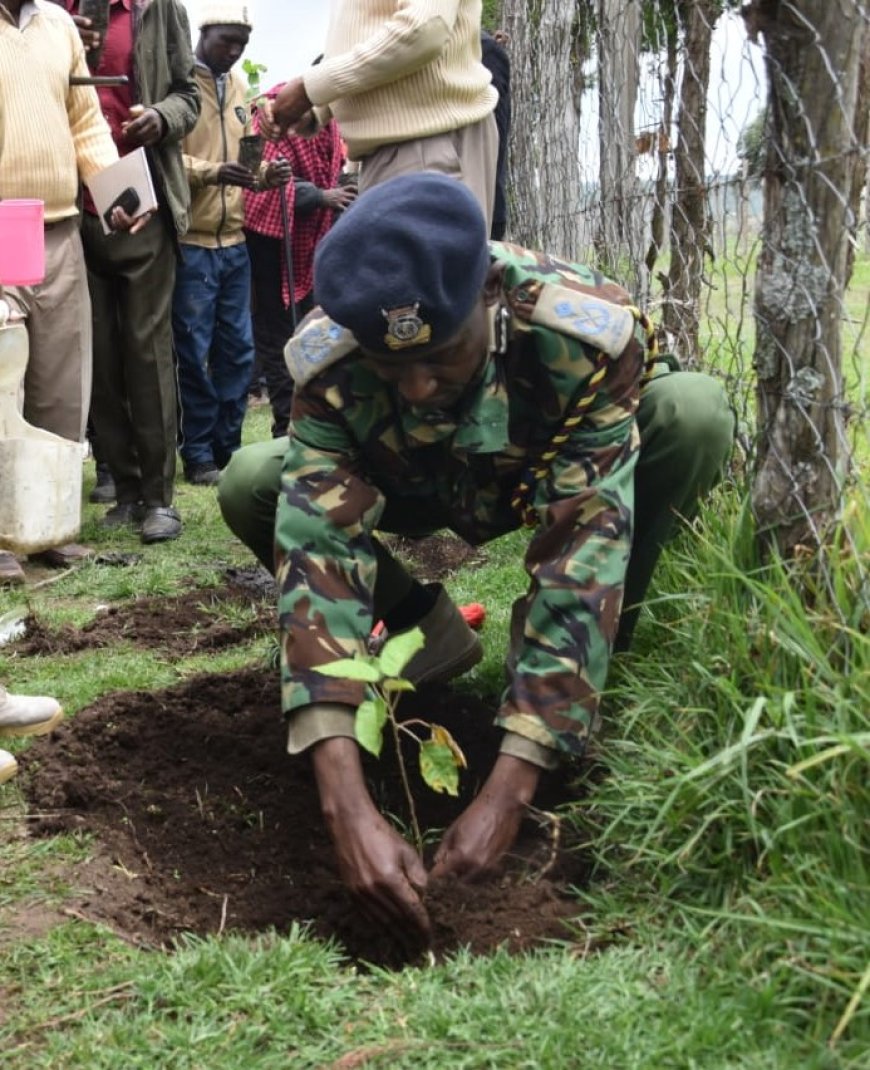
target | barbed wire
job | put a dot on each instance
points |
(735, 208)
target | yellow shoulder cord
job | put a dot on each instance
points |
(522, 496)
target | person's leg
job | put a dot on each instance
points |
(272, 325)
(686, 433)
(248, 496)
(57, 383)
(195, 321)
(469, 154)
(232, 352)
(110, 412)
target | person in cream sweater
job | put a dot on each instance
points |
(405, 82)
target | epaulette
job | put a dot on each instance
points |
(601, 324)
(316, 346)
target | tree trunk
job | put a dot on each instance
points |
(689, 238)
(813, 55)
(660, 196)
(620, 227)
(544, 149)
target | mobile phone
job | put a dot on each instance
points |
(98, 12)
(128, 199)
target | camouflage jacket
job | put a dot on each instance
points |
(356, 450)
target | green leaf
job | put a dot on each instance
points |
(442, 736)
(371, 716)
(399, 650)
(438, 767)
(365, 669)
(398, 685)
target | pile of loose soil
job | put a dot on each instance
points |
(202, 823)
(198, 622)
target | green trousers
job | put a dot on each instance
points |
(686, 432)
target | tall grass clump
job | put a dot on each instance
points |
(737, 762)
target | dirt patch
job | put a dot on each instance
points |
(435, 557)
(208, 619)
(205, 824)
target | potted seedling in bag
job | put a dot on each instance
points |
(439, 754)
(251, 145)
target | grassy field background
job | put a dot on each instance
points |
(726, 925)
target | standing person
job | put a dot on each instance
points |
(313, 200)
(211, 308)
(22, 715)
(496, 60)
(454, 384)
(51, 137)
(131, 278)
(404, 80)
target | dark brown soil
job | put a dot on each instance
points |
(202, 823)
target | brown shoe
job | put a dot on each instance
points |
(65, 556)
(11, 572)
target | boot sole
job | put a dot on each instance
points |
(40, 728)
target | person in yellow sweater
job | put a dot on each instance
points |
(404, 80)
(211, 306)
(51, 137)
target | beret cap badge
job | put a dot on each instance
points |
(405, 328)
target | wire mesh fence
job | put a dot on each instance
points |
(722, 177)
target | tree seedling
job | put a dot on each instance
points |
(253, 72)
(440, 755)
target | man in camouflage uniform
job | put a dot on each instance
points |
(446, 384)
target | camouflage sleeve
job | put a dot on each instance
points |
(564, 628)
(324, 556)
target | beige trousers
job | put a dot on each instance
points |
(469, 154)
(57, 383)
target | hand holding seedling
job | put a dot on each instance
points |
(236, 174)
(380, 869)
(476, 841)
(377, 865)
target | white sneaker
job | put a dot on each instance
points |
(8, 766)
(22, 715)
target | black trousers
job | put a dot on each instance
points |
(273, 324)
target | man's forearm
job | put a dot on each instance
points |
(339, 775)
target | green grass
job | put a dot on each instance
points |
(726, 925)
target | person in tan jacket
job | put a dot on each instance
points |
(211, 312)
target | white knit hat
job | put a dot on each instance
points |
(217, 13)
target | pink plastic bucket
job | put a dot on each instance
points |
(22, 243)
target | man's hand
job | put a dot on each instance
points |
(91, 39)
(145, 128)
(339, 198)
(278, 173)
(235, 174)
(476, 841)
(120, 221)
(288, 107)
(380, 869)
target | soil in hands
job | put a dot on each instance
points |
(200, 822)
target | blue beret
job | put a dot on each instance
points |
(404, 266)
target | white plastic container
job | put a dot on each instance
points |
(40, 473)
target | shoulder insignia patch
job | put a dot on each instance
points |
(241, 113)
(601, 324)
(315, 347)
